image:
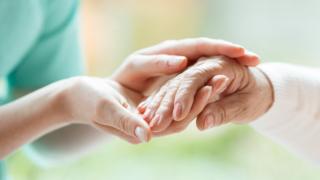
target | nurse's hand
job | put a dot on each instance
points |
(146, 70)
(104, 104)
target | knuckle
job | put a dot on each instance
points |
(165, 110)
(78, 82)
(196, 73)
(184, 93)
(154, 103)
(160, 61)
(221, 116)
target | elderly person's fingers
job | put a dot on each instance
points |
(252, 97)
(229, 109)
(194, 48)
(153, 102)
(201, 100)
(163, 115)
(194, 78)
(219, 84)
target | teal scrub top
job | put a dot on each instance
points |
(39, 43)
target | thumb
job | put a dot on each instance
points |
(130, 123)
(229, 109)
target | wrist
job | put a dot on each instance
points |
(59, 104)
(263, 91)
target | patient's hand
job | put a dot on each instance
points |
(181, 99)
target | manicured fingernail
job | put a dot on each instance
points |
(177, 111)
(208, 122)
(155, 121)
(141, 134)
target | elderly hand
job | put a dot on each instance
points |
(185, 96)
(242, 102)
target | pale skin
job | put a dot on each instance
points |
(85, 105)
(239, 95)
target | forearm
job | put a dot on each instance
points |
(28, 118)
(294, 118)
(64, 143)
(75, 140)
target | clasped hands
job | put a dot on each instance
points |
(161, 89)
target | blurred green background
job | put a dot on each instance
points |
(285, 31)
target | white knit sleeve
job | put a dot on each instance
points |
(294, 118)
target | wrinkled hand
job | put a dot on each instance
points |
(186, 95)
(240, 103)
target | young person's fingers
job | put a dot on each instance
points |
(201, 100)
(157, 65)
(249, 59)
(118, 133)
(195, 48)
(115, 115)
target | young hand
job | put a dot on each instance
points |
(100, 103)
(147, 69)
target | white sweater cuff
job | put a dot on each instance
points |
(294, 118)
(282, 104)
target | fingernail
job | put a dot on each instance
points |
(208, 122)
(155, 121)
(141, 134)
(177, 112)
(148, 115)
(222, 87)
(142, 107)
